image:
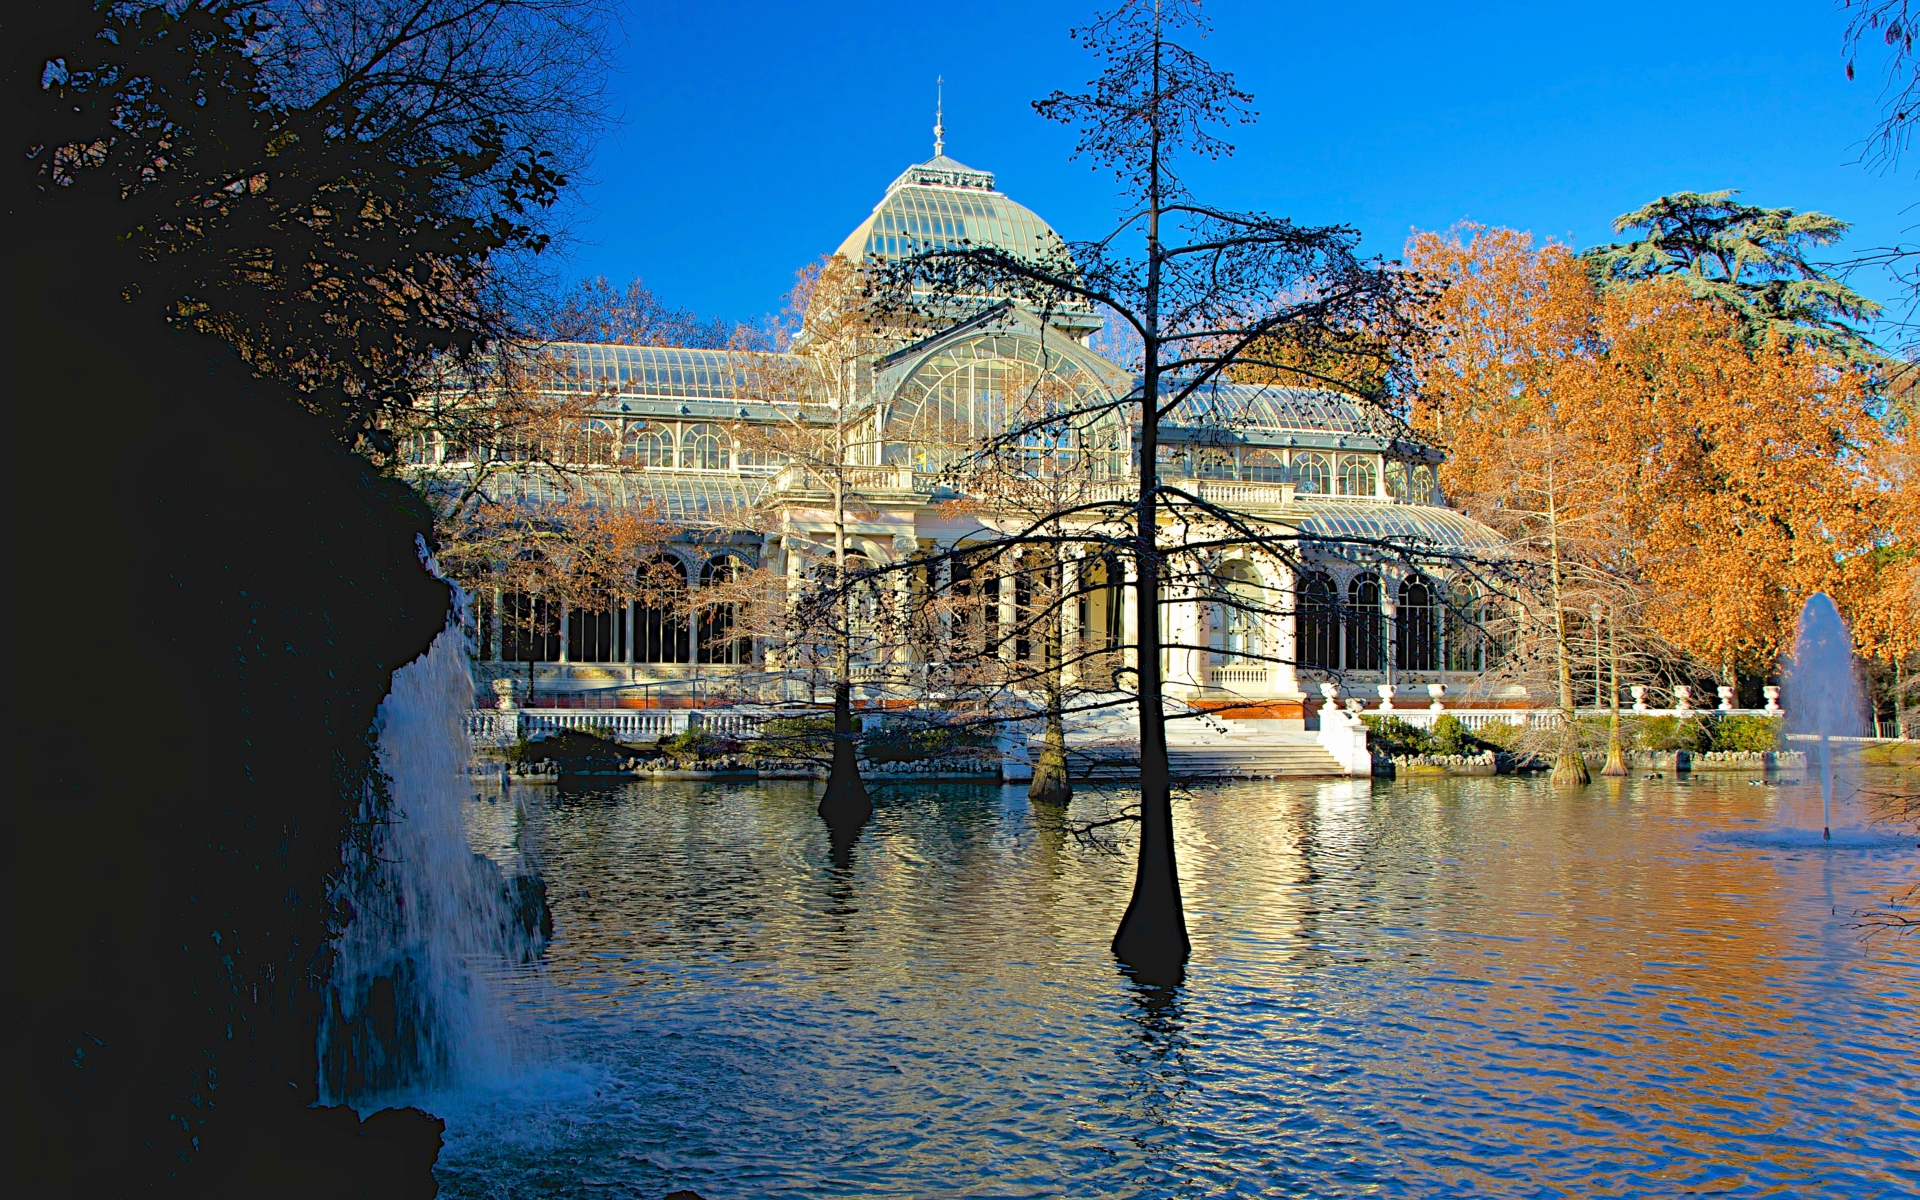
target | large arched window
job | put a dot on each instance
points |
(529, 628)
(1364, 621)
(597, 636)
(1416, 633)
(1356, 475)
(719, 618)
(590, 443)
(1318, 622)
(1315, 474)
(706, 448)
(1466, 631)
(971, 391)
(1239, 621)
(1213, 462)
(1396, 475)
(649, 445)
(660, 616)
(1423, 484)
(1264, 466)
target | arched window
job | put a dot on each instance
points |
(1316, 476)
(1171, 461)
(649, 445)
(1356, 475)
(597, 636)
(1364, 621)
(660, 615)
(1264, 466)
(589, 443)
(1239, 621)
(707, 448)
(719, 643)
(1396, 473)
(1466, 631)
(1213, 462)
(529, 628)
(1423, 484)
(1317, 620)
(1102, 601)
(1416, 633)
(976, 594)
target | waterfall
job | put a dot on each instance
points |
(411, 1005)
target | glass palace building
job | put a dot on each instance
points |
(674, 431)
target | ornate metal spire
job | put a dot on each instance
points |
(939, 105)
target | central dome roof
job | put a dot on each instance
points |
(941, 202)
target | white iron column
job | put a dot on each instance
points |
(1070, 601)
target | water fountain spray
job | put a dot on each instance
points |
(1823, 697)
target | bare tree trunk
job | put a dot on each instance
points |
(1051, 782)
(1570, 768)
(1152, 938)
(1616, 756)
(846, 802)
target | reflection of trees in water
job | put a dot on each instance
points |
(1156, 1059)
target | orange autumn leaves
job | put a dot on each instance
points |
(1720, 484)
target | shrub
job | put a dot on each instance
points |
(1745, 732)
(798, 737)
(697, 744)
(1499, 735)
(1450, 737)
(1671, 733)
(1392, 736)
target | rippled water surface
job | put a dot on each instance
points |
(1462, 988)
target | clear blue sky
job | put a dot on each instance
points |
(753, 136)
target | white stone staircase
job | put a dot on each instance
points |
(1106, 746)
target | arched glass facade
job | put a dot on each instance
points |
(976, 389)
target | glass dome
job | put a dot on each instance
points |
(940, 203)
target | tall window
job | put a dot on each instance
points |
(706, 448)
(1171, 461)
(529, 628)
(1264, 466)
(1423, 484)
(1364, 621)
(660, 622)
(591, 442)
(597, 636)
(1416, 634)
(1466, 635)
(1396, 473)
(649, 445)
(719, 643)
(1239, 621)
(1316, 475)
(1213, 462)
(1318, 622)
(1356, 475)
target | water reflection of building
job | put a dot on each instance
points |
(675, 432)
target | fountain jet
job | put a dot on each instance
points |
(1824, 700)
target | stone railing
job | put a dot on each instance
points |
(500, 727)
(1238, 678)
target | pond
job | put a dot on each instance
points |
(1469, 987)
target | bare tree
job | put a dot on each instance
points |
(1203, 290)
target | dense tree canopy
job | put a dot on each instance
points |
(1725, 480)
(328, 189)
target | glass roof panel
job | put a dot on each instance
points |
(1413, 527)
(679, 373)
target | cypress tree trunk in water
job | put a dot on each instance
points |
(1051, 783)
(846, 803)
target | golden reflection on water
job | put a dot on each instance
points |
(1457, 987)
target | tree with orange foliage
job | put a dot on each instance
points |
(1721, 481)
